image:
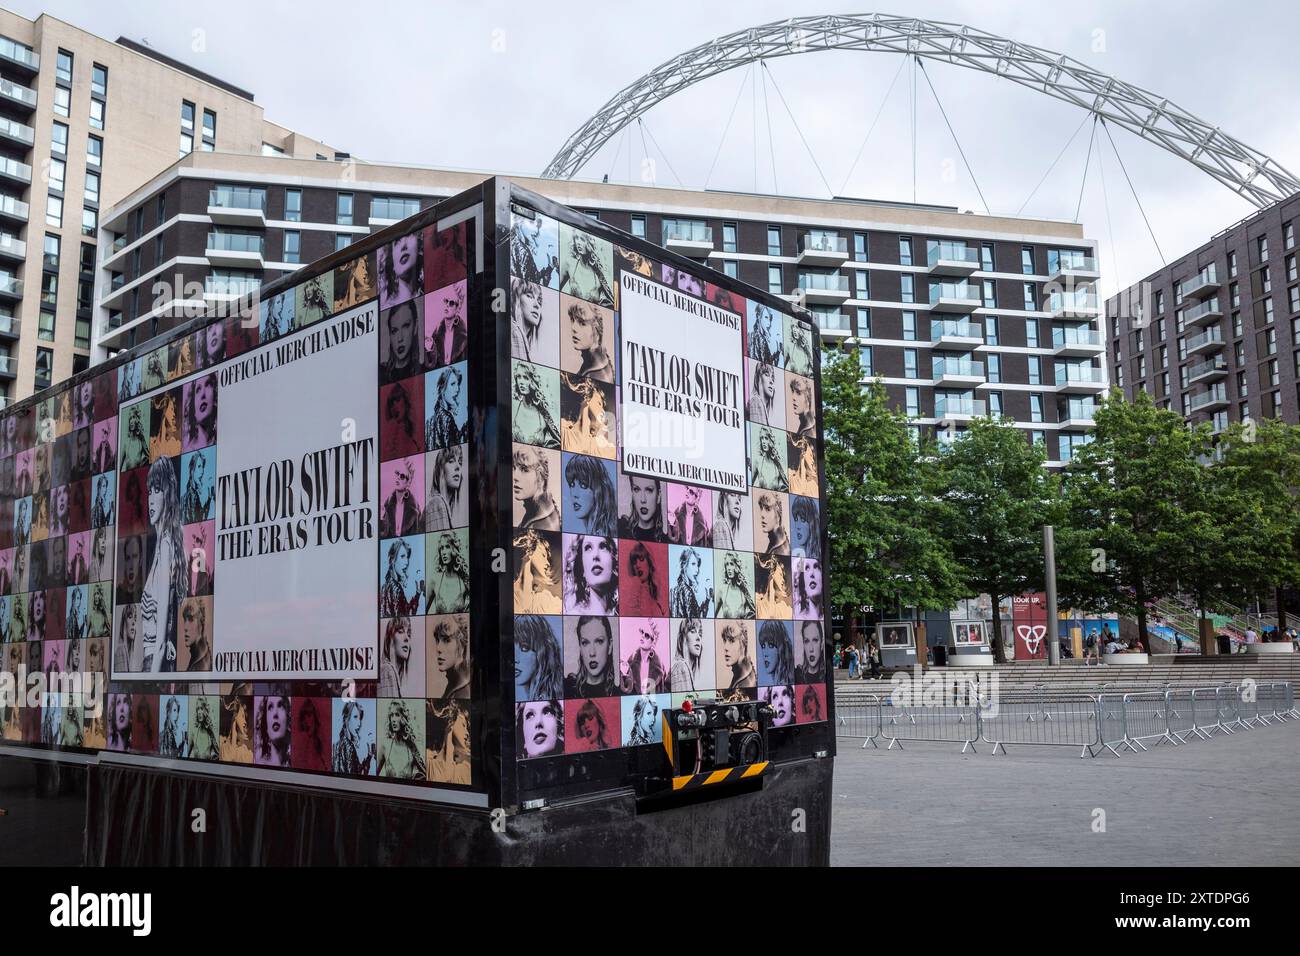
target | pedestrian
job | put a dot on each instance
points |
(853, 662)
(873, 658)
(1090, 648)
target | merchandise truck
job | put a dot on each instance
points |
(498, 536)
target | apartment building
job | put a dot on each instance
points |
(959, 314)
(84, 120)
(1215, 336)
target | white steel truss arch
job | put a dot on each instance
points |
(1257, 178)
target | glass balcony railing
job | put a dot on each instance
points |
(952, 252)
(235, 242)
(10, 206)
(1207, 277)
(13, 246)
(954, 366)
(393, 209)
(944, 406)
(824, 242)
(234, 197)
(11, 285)
(1076, 411)
(8, 365)
(18, 93)
(958, 291)
(8, 325)
(1212, 336)
(230, 285)
(17, 131)
(815, 282)
(19, 53)
(680, 231)
(1082, 374)
(1061, 338)
(1068, 260)
(15, 170)
(1072, 302)
(1206, 368)
(955, 329)
(1213, 396)
(1206, 308)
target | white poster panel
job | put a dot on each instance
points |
(295, 555)
(682, 375)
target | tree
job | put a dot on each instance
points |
(884, 548)
(1137, 492)
(1259, 469)
(997, 497)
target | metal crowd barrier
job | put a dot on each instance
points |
(1114, 720)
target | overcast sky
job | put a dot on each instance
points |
(500, 86)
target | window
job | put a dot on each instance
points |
(44, 367)
(1236, 323)
(293, 205)
(864, 323)
(1234, 294)
(1035, 407)
(909, 326)
(1270, 341)
(343, 209)
(1031, 298)
(991, 329)
(1265, 280)
(187, 115)
(97, 109)
(913, 398)
(774, 280)
(1027, 260)
(92, 186)
(49, 289)
(162, 208)
(63, 101)
(1273, 378)
(1293, 298)
(1164, 383)
(905, 252)
(292, 246)
(993, 367)
(1035, 370)
(54, 211)
(907, 288)
(89, 221)
(51, 260)
(59, 138)
(58, 172)
(1031, 333)
(157, 250)
(731, 268)
(63, 67)
(341, 241)
(773, 240)
(99, 80)
(1267, 311)
(1242, 389)
(209, 129)
(990, 294)
(909, 363)
(1164, 356)
(728, 237)
(1232, 264)
(1261, 249)
(1288, 235)
(1119, 375)
(864, 284)
(865, 361)
(986, 257)
(638, 226)
(1161, 330)
(94, 151)
(859, 247)
(45, 326)
(87, 264)
(187, 144)
(995, 404)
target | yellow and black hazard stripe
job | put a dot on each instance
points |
(694, 781)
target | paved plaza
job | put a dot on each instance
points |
(1221, 802)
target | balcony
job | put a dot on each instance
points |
(1207, 371)
(1076, 418)
(1077, 342)
(8, 366)
(1203, 283)
(1064, 269)
(832, 289)
(11, 247)
(1080, 378)
(823, 250)
(15, 132)
(9, 327)
(16, 94)
(957, 333)
(693, 239)
(1209, 340)
(1212, 399)
(15, 172)
(219, 289)
(1073, 305)
(954, 297)
(958, 371)
(13, 210)
(14, 54)
(1203, 314)
(11, 288)
(952, 259)
(237, 207)
(235, 249)
(959, 408)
